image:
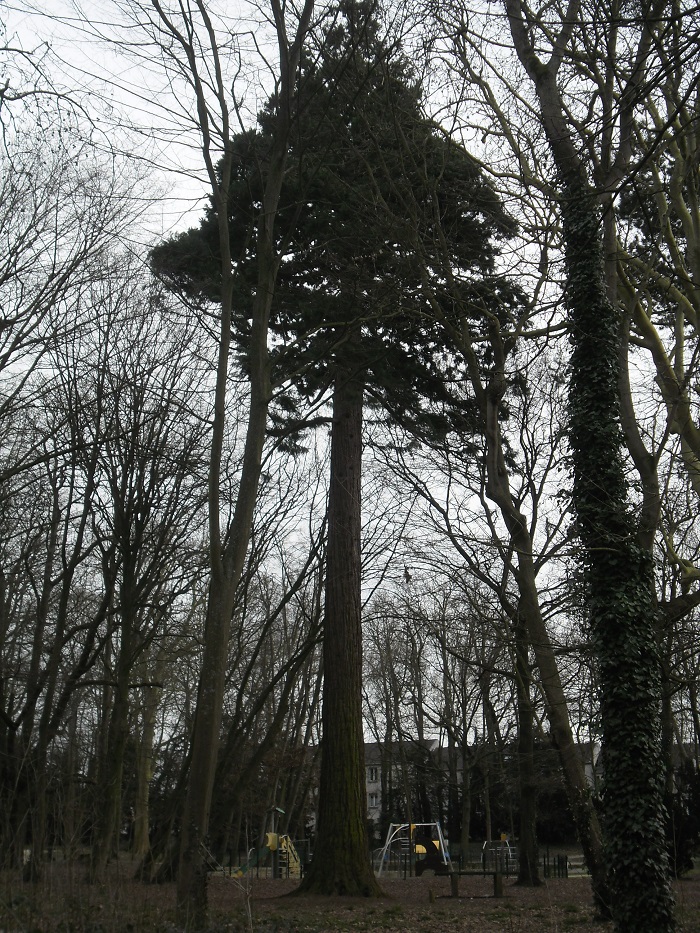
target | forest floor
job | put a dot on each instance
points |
(64, 903)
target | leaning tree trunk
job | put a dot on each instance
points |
(228, 552)
(498, 490)
(341, 862)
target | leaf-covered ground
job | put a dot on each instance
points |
(64, 903)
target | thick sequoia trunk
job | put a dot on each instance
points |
(341, 862)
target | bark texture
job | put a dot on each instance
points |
(341, 861)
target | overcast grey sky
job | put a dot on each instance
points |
(134, 101)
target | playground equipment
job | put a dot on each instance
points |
(278, 850)
(499, 855)
(288, 861)
(414, 848)
(281, 853)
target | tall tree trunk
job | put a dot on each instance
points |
(487, 755)
(618, 569)
(192, 870)
(151, 695)
(528, 873)
(498, 489)
(341, 862)
(227, 559)
(489, 395)
(227, 552)
(646, 465)
(109, 788)
(466, 802)
(620, 589)
(70, 812)
(33, 779)
(453, 802)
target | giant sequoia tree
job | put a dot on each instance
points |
(351, 316)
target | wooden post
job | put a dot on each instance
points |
(498, 884)
(454, 884)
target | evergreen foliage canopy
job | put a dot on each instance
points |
(370, 180)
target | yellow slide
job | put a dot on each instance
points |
(289, 861)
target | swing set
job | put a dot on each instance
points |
(414, 849)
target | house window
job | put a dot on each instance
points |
(373, 801)
(372, 774)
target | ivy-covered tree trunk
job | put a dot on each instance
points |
(618, 570)
(341, 861)
(619, 589)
